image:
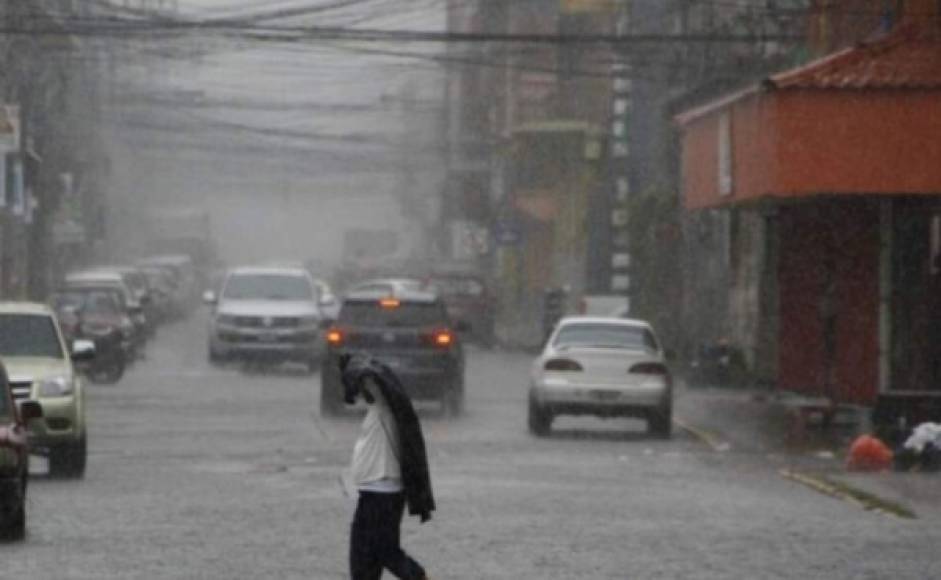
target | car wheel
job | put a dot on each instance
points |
(660, 423)
(539, 419)
(108, 374)
(452, 400)
(69, 460)
(18, 525)
(330, 401)
(15, 528)
(457, 401)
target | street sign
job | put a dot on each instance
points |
(507, 233)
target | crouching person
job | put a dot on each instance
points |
(390, 470)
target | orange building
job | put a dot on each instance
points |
(844, 156)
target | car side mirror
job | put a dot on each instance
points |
(30, 410)
(210, 298)
(83, 350)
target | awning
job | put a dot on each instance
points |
(864, 121)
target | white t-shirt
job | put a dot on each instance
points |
(375, 461)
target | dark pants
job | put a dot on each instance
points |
(374, 539)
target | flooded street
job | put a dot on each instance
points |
(198, 472)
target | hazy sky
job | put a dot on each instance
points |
(287, 145)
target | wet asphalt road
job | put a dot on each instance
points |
(196, 472)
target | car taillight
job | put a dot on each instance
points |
(649, 368)
(334, 337)
(653, 368)
(443, 338)
(562, 364)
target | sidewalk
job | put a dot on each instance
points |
(759, 423)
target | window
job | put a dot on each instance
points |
(406, 314)
(29, 335)
(606, 336)
(449, 287)
(267, 287)
(89, 301)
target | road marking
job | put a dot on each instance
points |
(713, 441)
(849, 494)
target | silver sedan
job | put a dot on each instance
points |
(606, 367)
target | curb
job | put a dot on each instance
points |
(849, 494)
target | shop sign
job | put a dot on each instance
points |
(506, 232)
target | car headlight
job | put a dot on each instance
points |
(225, 320)
(55, 387)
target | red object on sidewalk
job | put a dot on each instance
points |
(869, 454)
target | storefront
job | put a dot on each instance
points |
(843, 155)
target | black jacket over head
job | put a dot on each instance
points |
(416, 477)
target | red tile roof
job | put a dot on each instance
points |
(909, 57)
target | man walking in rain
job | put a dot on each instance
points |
(390, 470)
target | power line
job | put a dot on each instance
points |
(282, 33)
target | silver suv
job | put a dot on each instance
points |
(266, 315)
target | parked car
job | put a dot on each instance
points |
(186, 278)
(469, 301)
(162, 284)
(40, 368)
(96, 314)
(131, 308)
(266, 314)
(607, 367)
(327, 300)
(139, 284)
(410, 332)
(14, 459)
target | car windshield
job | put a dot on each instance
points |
(599, 335)
(450, 287)
(405, 314)
(267, 287)
(89, 302)
(29, 335)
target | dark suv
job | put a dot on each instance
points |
(468, 301)
(14, 460)
(407, 330)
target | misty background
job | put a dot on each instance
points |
(286, 145)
